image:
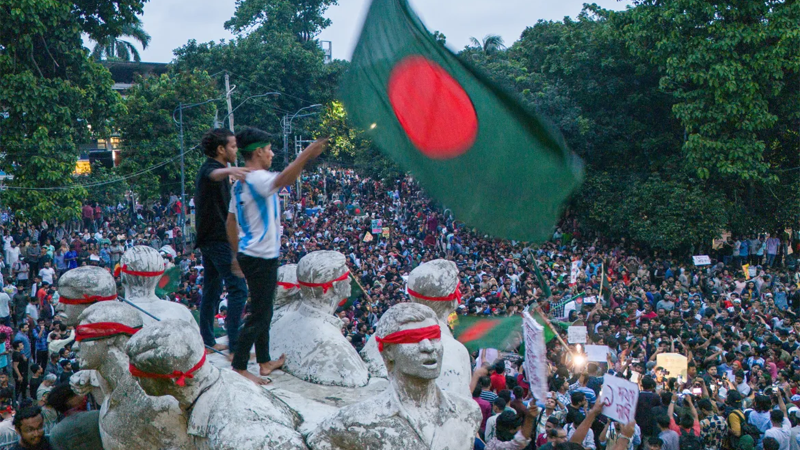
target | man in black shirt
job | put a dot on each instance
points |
(212, 198)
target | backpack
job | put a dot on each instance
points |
(690, 441)
(747, 429)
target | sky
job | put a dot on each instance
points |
(172, 23)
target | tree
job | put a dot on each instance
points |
(303, 18)
(111, 47)
(270, 57)
(151, 148)
(105, 186)
(491, 43)
(52, 94)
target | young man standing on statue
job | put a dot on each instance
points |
(254, 232)
(212, 195)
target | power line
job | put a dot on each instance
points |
(101, 183)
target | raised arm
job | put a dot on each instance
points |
(237, 173)
(293, 170)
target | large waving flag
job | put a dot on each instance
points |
(471, 146)
(502, 333)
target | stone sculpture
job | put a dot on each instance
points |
(310, 335)
(287, 292)
(224, 411)
(434, 284)
(129, 419)
(140, 268)
(80, 288)
(413, 413)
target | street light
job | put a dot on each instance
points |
(287, 128)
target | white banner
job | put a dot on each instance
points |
(619, 397)
(535, 363)
(576, 334)
(596, 353)
(701, 260)
(574, 272)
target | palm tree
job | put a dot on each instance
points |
(491, 43)
(112, 47)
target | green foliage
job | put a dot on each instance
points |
(152, 136)
(726, 62)
(272, 57)
(110, 188)
(351, 147)
(303, 18)
(111, 47)
(687, 127)
(55, 97)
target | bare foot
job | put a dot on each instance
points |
(252, 377)
(267, 367)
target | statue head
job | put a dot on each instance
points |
(82, 287)
(103, 326)
(409, 339)
(435, 284)
(140, 268)
(324, 279)
(168, 358)
(288, 290)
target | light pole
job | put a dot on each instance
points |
(179, 121)
(287, 128)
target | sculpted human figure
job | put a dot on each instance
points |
(434, 284)
(413, 413)
(287, 292)
(129, 419)
(140, 268)
(224, 410)
(80, 288)
(308, 332)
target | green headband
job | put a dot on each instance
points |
(255, 145)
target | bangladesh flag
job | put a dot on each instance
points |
(501, 333)
(472, 146)
(170, 282)
(355, 294)
(548, 333)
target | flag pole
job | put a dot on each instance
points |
(602, 279)
(362, 287)
(555, 331)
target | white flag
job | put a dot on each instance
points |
(535, 357)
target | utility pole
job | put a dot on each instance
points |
(183, 177)
(228, 99)
(285, 124)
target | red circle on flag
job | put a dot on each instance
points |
(432, 107)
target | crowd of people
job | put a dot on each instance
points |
(734, 319)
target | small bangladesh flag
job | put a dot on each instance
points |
(501, 333)
(471, 146)
(169, 282)
(549, 335)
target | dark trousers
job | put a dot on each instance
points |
(42, 357)
(216, 269)
(262, 278)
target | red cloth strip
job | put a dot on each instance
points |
(178, 376)
(124, 269)
(102, 330)
(287, 286)
(87, 299)
(456, 295)
(410, 336)
(326, 285)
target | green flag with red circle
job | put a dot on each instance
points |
(501, 168)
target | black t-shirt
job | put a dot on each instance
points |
(19, 358)
(211, 199)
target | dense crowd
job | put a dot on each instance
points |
(735, 319)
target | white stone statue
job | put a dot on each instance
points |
(224, 410)
(434, 284)
(310, 335)
(413, 413)
(287, 292)
(80, 288)
(129, 419)
(140, 268)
